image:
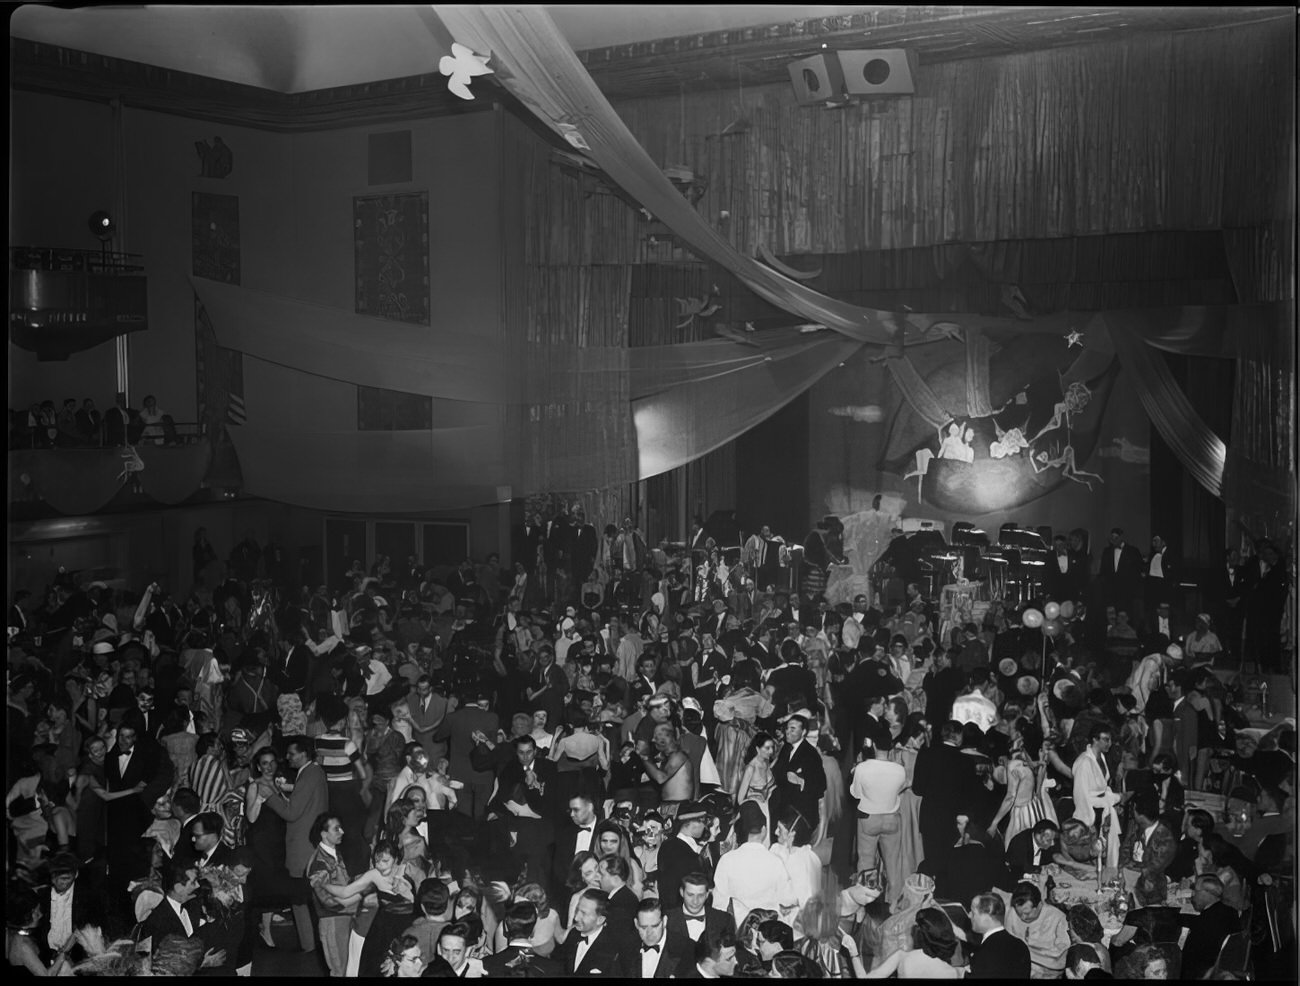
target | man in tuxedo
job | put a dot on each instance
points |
(1266, 584)
(1062, 578)
(1149, 845)
(518, 925)
(146, 772)
(799, 775)
(1120, 574)
(572, 837)
(1159, 577)
(939, 781)
(67, 904)
(1031, 849)
(300, 802)
(147, 720)
(660, 955)
(715, 958)
(294, 667)
(536, 774)
(119, 422)
(1225, 598)
(590, 949)
(620, 910)
(1185, 725)
(695, 917)
(473, 717)
(683, 854)
(178, 913)
(453, 947)
(1213, 922)
(745, 601)
(999, 955)
(583, 547)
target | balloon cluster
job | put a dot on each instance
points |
(1050, 619)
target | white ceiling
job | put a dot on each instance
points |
(301, 48)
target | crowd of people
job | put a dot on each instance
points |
(83, 425)
(431, 773)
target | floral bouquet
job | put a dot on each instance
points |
(226, 890)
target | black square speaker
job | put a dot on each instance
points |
(878, 72)
(816, 79)
(389, 158)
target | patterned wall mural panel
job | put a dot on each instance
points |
(219, 372)
(391, 234)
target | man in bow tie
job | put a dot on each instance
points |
(695, 918)
(661, 955)
(573, 837)
(590, 950)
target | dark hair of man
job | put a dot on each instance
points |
(1100, 730)
(778, 933)
(990, 905)
(697, 878)
(433, 897)
(616, 866)
(305, 744)
(1026, 893)
(520, 921)
(710, 947)
(524, 741)
(411, 749)
(601, 900)
(1084, 923)
(187, 800)
(951, 731)
(320, 824)
(174, 873)
(211, 822)
(457, 929)
(1147, 804)
(650, 905)
(1045, 825)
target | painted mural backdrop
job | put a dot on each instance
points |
(392, 256)
(1031, 429)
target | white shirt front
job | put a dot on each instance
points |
(650, 959)
(583, 842)
(60, 917)
(1063, 562)
(1157, 569)
(123, 760)
(695, 924)
(181, 913)
(1163, 627)
(1118, 551)
(581, 951)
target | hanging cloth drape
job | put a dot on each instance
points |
(977, 375)
(1201, 452)
(917, 392)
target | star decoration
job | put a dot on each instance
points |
(462, 65)
(1075, 338)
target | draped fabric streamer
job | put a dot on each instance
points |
(977, 375)
(917, 392)
(1201, 452)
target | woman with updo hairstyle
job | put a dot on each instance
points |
(934, 942)
(801, 862)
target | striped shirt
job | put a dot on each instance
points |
(337, 755)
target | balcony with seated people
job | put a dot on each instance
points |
(77, 461)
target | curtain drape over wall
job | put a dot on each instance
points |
(685, 399)
(82, 481)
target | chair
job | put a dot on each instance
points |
(1234, 956)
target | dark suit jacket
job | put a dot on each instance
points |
(1069, 584)
(545, 802)
(716, 922)
(676, 860)
(88, 423)
(1020, 855)
(461, 725)
(603, 958)
(621, 917)
(943, 781)
(162, 921)
(1001, 956)
(1158, 850)
(499, 966)
(307, 800)
(566, 847)
(148, 764)
(675, 954)
(807, 764)
(291, 675)
(1206, 932)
